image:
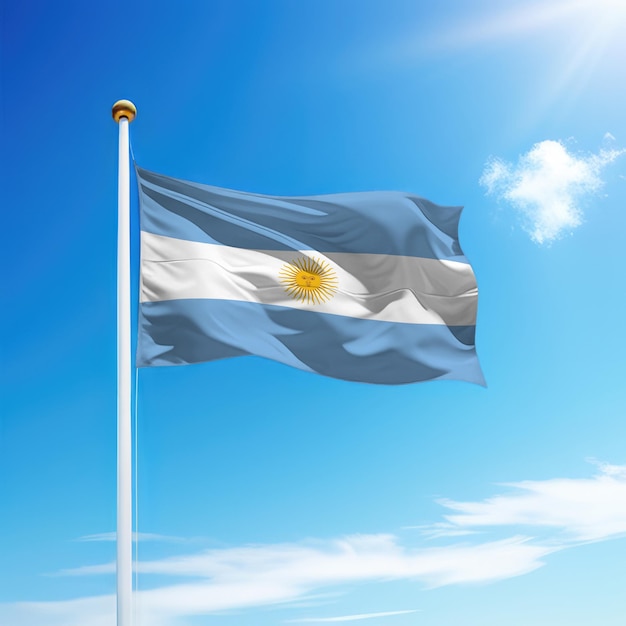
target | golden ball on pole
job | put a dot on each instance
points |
(124, 108)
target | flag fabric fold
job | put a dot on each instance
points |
(368, 286)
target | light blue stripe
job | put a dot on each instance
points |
(178, 332)
(377, 222)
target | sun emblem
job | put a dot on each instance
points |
(309, 280)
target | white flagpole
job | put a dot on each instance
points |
(124, 112)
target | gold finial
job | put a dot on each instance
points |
(124, 108)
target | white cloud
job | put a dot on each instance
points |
(87, 570)
(441, 529)
(348, 618)
(571, 511)
(94, 611)
(547, 186)
(136, 537)
(255, 576)
(583, 509)
(288, 570)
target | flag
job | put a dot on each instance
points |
(368, 286)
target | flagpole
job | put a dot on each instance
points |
(124, 112)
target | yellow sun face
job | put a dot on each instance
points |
(312, 281)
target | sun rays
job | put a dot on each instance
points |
(309, 280)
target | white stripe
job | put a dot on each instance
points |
(369, 286)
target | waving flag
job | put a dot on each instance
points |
(369, 286)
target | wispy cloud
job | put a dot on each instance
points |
(570, 510)
(547, 185)
(348, 618)
(256, 576)
(93, 611)
(296, 568)
(580, 509)
(136, 537)
(441, 529)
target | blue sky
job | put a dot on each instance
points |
(268, 495)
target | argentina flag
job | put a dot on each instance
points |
(368, 286)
